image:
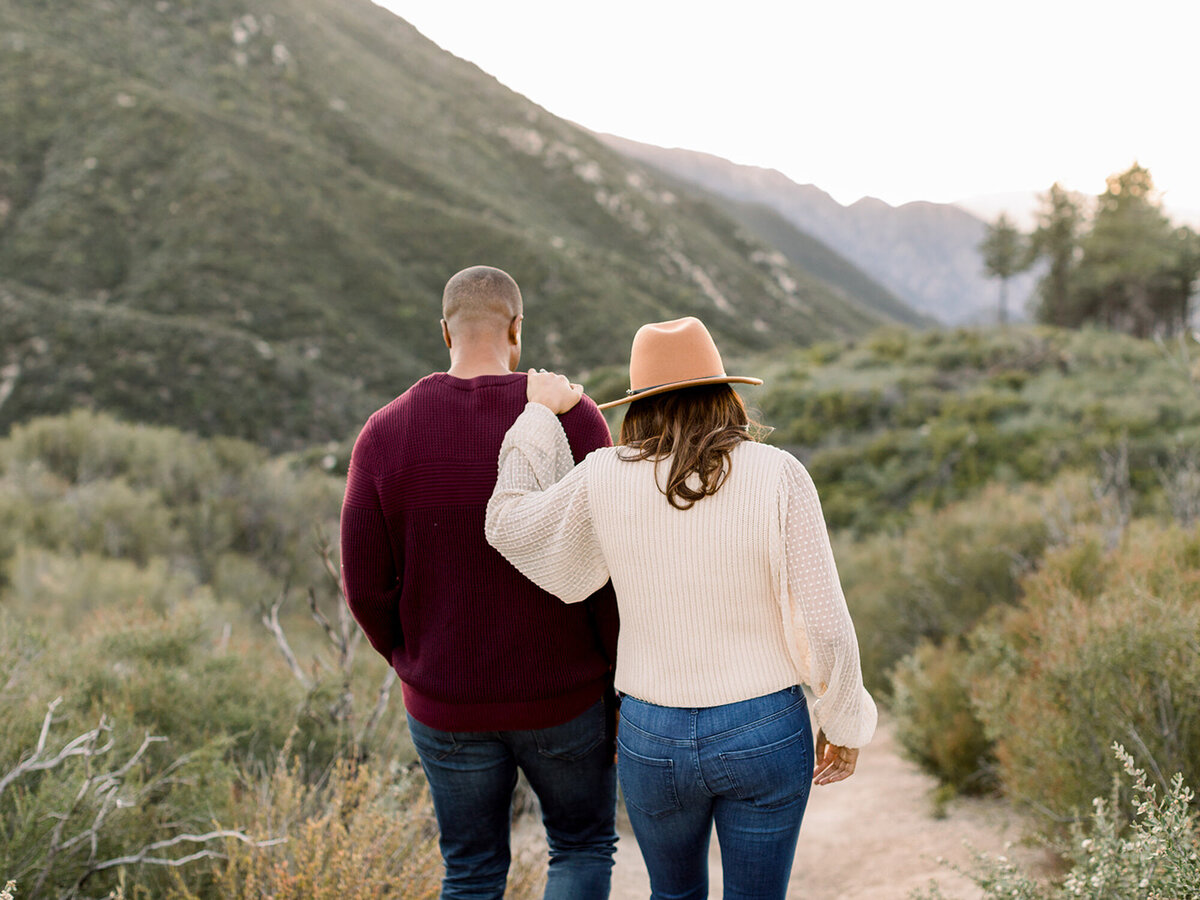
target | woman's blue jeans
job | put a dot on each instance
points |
(471, 779)
(746, 766)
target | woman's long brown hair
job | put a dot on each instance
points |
(697, 428)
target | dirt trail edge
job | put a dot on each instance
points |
(873, 837)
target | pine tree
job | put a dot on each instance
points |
(1135, 271)
(1056, 239)
(1004, 255)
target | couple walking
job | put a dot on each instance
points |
(490, 534)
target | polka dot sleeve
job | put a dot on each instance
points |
(816, 619)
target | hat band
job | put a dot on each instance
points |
(631, 391)
(654, 387)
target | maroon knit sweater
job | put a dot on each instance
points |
(477, 646)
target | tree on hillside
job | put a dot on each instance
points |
(1186, 271)
(1136, 270)
(1056, 239)
(1004, 255)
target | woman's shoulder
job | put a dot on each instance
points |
(759, 453)
(779, 467)
(599, 459)
(602, 454)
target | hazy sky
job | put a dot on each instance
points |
(916, 100)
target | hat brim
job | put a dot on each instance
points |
(676, 385)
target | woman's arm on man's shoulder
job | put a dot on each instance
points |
(539, 517)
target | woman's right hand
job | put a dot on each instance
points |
(834, 763)
(552, 390)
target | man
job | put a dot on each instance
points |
(497, 674)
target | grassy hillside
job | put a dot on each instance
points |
(289, 183)
(905, 418)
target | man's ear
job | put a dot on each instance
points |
(446, 334)
(514, 329)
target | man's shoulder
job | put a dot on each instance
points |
(395, 414)
(585, 427)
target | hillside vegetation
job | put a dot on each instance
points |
(1015, 517)
(1030, 605)
(147, 710)
(902, 418)
(236, 216)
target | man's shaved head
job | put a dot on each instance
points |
(480, 298)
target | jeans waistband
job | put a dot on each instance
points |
(680, 725)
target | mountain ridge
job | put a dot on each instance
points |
(926, 253)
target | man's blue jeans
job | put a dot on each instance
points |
(471, 778)
(746, 766)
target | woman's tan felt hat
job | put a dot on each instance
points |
(667, 356)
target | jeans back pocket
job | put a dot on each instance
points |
(647, 783)
(774, 774)
(431, 743)
(573, 740)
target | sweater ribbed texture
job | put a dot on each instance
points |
(731, 599)
(477, 646)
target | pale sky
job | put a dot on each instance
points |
(898, 99)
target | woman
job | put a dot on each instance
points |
(728, 597)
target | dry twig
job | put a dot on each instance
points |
(270, 618)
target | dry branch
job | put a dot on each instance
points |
(83, 745)
(143, 855)
(104, 792)
(270, 618)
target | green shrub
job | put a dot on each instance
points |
(1085, 661)
(1156, 858)
(935, 722)
(940, 576)
(220, 704)
(58, 591)
(87, 484)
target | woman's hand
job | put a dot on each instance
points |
(552, 390)
(834, 763)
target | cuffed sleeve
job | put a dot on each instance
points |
(538, 517)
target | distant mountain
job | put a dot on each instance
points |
(1019, 206)
(811, 255)
(237, 217)
(805, 252)
(925, 253)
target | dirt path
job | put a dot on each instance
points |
(871, 837)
